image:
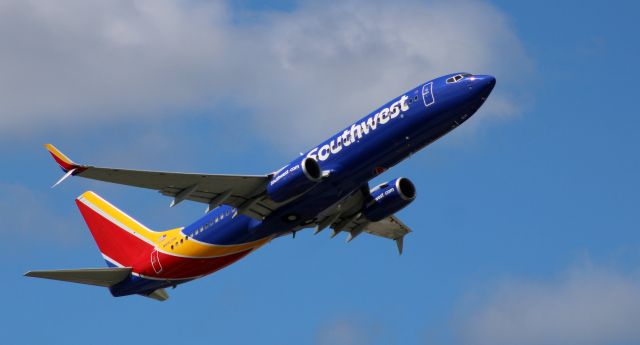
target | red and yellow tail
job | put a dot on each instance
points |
(170, 254)
(122, 240)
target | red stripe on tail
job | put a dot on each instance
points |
(115, 242)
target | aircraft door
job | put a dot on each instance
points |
(427, 94)
(155, 261)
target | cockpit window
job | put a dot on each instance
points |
(457, 78)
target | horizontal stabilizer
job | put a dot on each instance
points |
(106, 277)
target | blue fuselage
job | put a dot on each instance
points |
(360, 152)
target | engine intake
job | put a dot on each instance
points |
(295, 179)
(389, 198)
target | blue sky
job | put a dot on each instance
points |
(526, 222)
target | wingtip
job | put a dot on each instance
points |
(64, 177)
(63, 161)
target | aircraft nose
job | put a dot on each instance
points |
(484, 82)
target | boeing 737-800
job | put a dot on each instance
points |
(326, 187)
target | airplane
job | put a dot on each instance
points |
(326, 187)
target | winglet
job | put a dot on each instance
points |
(66, 164)
(64, 177)
(63, 161)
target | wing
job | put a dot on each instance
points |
(245, 192)
(346, 216)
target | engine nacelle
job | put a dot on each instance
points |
(295, 179)
(389, 198)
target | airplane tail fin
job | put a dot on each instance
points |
(125, 244)
(122, 240)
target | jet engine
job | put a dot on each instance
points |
(389, 198)
(294, 179)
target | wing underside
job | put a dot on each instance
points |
(345, 216)
(245, 192)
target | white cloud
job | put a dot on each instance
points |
(323, 65)
(83, 63)
(590, 305)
